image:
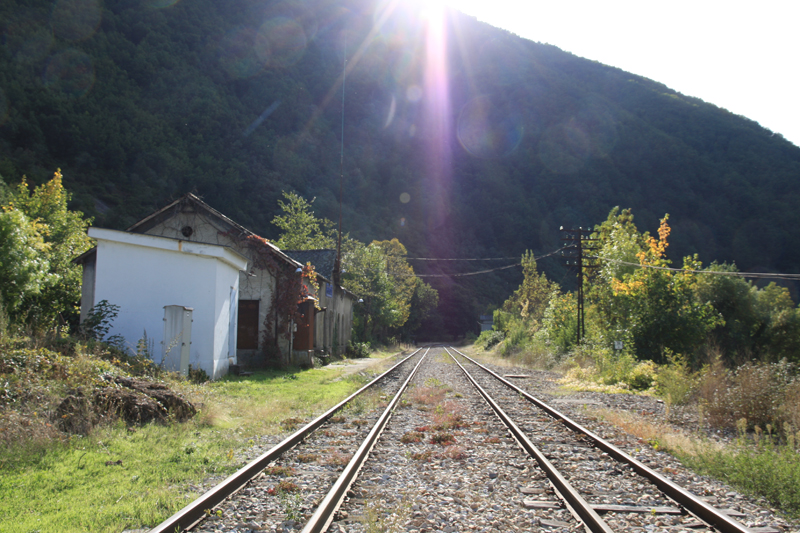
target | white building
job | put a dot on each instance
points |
(144, 274)
(167, 258)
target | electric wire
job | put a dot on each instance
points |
(463, 258)
(463, 274)
(506, 267)
(759, 275)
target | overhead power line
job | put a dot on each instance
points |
(759, 275)
(463, 259)
(464, 274)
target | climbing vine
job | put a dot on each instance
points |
(291, 289)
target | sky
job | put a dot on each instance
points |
(740, 56)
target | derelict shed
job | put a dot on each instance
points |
(269, 289)
(263, 335)
(146, 275)
(332, 322)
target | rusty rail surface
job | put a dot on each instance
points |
(324, 514)
(193, 513)
(700, 509)
(579, 507)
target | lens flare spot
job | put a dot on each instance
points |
(414, 93)
(76, 20)
(237, 53)
(402, 222)
(70, 73)
(281, 42)
(486, 131)
(391, 112)
(28, 37)
(405, 198)
(3, 107)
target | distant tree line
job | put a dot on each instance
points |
(692, 312)
(393, 301)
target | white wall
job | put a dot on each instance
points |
(142, 274)
(258, 284)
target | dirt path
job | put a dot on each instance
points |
(353, 366)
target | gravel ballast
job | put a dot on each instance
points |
(428, 474)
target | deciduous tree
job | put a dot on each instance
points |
(57, 235)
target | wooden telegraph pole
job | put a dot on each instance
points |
(575, 254)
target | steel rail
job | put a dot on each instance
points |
(700, 509)
(193, 513)
(579, 507)
(324, 514)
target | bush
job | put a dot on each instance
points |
(98, 323)
(197, 375)
(537, 355)
(613, 371)
(675, 382)
(613, 368)
(642, 376)
(754, 392)
(518, 336)
(489, 339)
(789, 411)
(358, 349)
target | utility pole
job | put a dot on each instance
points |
(576, 256)
(337, 263)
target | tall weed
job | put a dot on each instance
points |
(537, 355)
(789, 411)
(675, 381)
(755, 392)
(763, 469)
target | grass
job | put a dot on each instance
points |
(769, 471)
(69, 486)
(755, 464)
(660, 436)
(53, 482)
(751, 396)
(382, 516)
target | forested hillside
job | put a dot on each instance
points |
(460, 140)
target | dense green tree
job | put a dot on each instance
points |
(378, 273)
(655, 307)
(23, 261)
(530, 301)
(781, 324)
(734, 298)
(756, 322)
(402, 279)
(64, 234)
(424, 302)
(366, 275)
(560, 323)
(41, 239)
(300, 228)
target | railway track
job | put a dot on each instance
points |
(465, 450)
(296, 470)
